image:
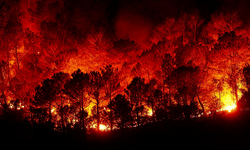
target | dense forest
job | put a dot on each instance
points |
(107, 65)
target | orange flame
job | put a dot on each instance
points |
(228, 99)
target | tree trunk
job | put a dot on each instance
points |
(152, 107)
(4, 97)
(50, 117)
(111, 112)
(202, 107)
(97, 112)
(122, 122)
(139, 105)
(81, 123)
(137, 118)
(111, 119)
(235, 90)
(137, 113)
(62, 117)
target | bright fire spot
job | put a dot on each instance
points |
(102, 127)
(53, 110)
(11, 106)
(228, 98)
(228, 102)
(229, 108)
(150, 113)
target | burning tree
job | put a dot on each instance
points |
(184, 64)
(76, 88)
(135, 92)
(112, 80)
(96, 85)
(187, 83)
(45, 95)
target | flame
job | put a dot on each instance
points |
(228, 103)
(228, 98)
(53, 110)
(102, 127)
(229, 107)
(149, 112)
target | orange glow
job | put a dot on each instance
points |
(228, 102)
(149, 111)
(229, 107)
(228, 98)
(11, 106)
(53, 110)
(102, 127)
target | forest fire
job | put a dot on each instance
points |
(80, 65)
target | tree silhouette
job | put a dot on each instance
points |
(187, 82)
(49, 92)
(244, 102)
(135, 92)
(96, 85)
(112, 84)
(60, 80)
(167, 67)
(246, 73)
(160, 111)
(149, 93)
(76, 88)
(122, 110)
(45, 95)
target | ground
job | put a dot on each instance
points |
(224, 130)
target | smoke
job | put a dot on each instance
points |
(135, 19)
(33, 12)
(132, 26)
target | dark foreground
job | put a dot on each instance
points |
(220, 131)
